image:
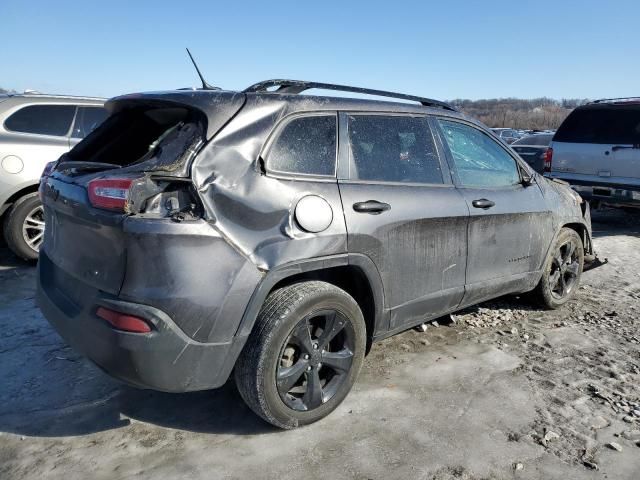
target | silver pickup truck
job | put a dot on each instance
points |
(597, 150)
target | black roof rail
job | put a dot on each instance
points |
(298, 86)
(607, 100)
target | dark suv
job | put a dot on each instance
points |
(278, 235)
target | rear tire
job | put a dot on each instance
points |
(24, 227)
(304, 354)
(562, 270)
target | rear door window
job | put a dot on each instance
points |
(87, 119)
(393, 149)
(602, 124)
(480, 161)
(42, 120)
(305, 145)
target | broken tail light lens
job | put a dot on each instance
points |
(123, 321)
(547, 157)
(109, 193)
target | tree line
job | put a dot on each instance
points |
(537, 113)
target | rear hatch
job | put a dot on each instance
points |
(136, 163)
(599, 143)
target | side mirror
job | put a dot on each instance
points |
(528, 179)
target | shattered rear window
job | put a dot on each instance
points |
(159, 137)
(174, 145)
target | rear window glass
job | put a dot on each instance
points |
(306, 145)
(393, 149)
(534, 140)
(164, 135)
(42, 119)
(606, 124)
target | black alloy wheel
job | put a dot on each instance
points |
(562, 270)
(315, 360)
(303, 355)
(565, 267)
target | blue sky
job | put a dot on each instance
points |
(446, 50)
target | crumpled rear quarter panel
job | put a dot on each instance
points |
(203, 273)
(254, 211)
(193, 275)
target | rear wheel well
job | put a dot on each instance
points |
(352, 280)
(19, 194)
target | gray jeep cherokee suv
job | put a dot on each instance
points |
(36, 129)
(275, 234)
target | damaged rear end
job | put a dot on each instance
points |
(124, 226)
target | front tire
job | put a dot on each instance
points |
(304, 354)
(562, 270)
(24, 227)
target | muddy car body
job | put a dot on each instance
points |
(171, 265)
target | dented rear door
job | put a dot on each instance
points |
(403, 212)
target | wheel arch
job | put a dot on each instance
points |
(584, 232)
(15, 196)
(354, 273)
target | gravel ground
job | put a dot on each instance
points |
(499, 391)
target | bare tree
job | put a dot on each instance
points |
(537, 113)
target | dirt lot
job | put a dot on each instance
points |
(503, 391)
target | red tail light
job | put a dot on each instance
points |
(547, 157)
(123, 321)
(109, 193)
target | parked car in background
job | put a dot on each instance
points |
(507, 135)
(277, 235)
(597, 150)
(534, 149)
(36, 129)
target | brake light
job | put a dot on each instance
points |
(123, 321)
(547, 157)
(109, 193)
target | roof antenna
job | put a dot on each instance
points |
(205, 85)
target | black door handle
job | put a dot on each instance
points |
(483, 203)
(371, 206)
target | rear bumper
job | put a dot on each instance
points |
(165, 359)
(610, 195)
